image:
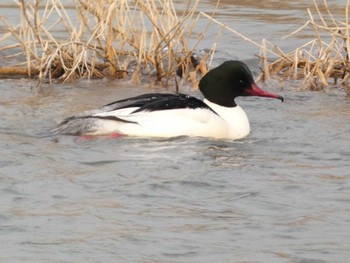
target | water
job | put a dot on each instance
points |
(279, 195)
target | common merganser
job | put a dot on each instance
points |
(171, 115)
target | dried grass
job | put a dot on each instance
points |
(104, 38)
(320, 62)
(117, 39)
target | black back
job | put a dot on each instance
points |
(158, 101)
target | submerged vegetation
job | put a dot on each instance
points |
(132, 39)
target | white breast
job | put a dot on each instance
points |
(235, 118)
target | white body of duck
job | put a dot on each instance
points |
(229, 123)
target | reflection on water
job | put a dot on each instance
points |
(280, 195)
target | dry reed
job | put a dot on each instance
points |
(110, 38)
(320, 62)
(103, 38)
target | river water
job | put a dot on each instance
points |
(280, 195)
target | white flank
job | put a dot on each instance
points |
(228, 123)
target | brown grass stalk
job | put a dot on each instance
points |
(321, 61)
(103, 39)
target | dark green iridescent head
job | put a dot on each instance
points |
(231, 79)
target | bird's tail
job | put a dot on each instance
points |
(76, 126)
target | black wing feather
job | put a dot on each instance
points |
(180, 101)
(138, 101)
(158, 101)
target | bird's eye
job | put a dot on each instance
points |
(241, 81)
